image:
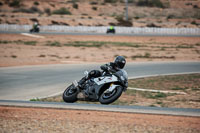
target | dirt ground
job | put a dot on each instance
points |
(177, 13)
(18, 49)
(36, 120)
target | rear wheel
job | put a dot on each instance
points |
(109, 97)
(70, 94)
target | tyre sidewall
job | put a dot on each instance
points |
(113, 98)
(70, 99)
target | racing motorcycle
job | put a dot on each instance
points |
(105, 89)
(110, 31)
(37, 29)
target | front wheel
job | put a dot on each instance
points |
(109, 97)
(70, 94)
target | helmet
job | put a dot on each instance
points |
(120, 62)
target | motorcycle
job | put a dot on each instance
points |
(105, 89)
(110, 31)
(37, 29)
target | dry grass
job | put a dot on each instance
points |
(95, 49)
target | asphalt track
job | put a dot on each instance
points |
(96, 34)
(108, 108)
(27, 82)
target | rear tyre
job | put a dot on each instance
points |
(109, 97)
(70, 94)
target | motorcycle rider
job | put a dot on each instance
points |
(35, 26)
(111, 67)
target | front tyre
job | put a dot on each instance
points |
(109, 97)
(70, 94)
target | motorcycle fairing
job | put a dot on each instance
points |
(105, 79)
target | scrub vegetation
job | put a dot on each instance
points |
(98, 49)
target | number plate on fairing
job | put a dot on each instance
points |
(103, 80)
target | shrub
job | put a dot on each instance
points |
(33, 43)
(35, 9)
(196, 6)
(93, 3)
(15, 3)
(62, 11)
(42, 55)
(110, 1)
(13, 56)
(94, 8)
(31, 10)
(136, 17)
(150, 3)
(122, 22)
(170, 16)
(157, 95)
(34, 20)
(47, 11)
(55, 44)
(153, 25)
(36, 3)
(75, 5)
(73, 1)
(194, 23)
(129, 1)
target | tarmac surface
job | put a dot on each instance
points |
(27, 82)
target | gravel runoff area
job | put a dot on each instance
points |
(43, 120)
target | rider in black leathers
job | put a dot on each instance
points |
(112, 67)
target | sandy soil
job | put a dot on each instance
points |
(23, 120)
(17, 49)
(178, 13)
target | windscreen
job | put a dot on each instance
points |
(122, 73)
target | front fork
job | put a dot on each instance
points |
(112, 87)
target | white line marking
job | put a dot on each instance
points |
(155, 75)
(31, 35)
(161, 91)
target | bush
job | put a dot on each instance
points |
(130, 1)
(35, 9)
(93, 3)
(62, 11)
(75, 5)
(31, 10)
(171, 16)
(34, 20)
(110, 1)
(47, 11)
(73, 1)
(94, 8)
(150, 3)
(196, 6)
(194, 23)
(122, 22)
(15, 3)
(36, 3)
(33, 43)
